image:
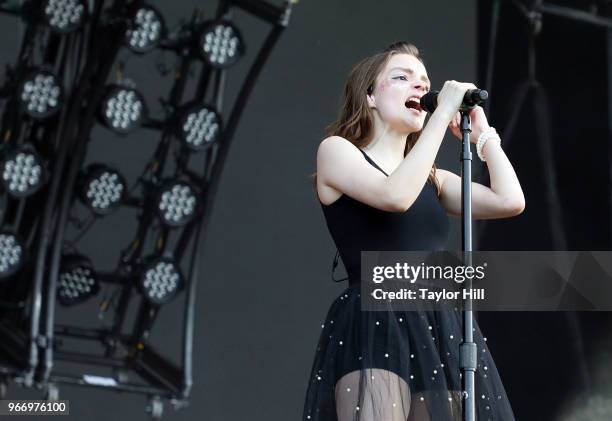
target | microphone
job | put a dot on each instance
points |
(472, 97)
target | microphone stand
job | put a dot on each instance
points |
(467, 349)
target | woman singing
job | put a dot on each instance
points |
(380, 190)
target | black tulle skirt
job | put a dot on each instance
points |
(396, 365)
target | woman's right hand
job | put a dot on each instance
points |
(451, 97)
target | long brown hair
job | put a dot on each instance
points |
(355, 121)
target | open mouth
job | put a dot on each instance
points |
(413, 104)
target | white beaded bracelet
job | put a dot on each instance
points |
(488, 134)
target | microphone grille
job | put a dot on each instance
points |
(429, 101)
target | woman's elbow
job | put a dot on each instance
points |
(515, 207)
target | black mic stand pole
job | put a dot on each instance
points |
(467, 349)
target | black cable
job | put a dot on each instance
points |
(84, 228)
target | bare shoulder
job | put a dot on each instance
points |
(335, 145)
(337, 161)
(342, 169)
(334, 151)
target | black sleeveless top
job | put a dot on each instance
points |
(355, 226)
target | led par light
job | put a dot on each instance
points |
(176, 203)
(77, 280)
(64, 16)
(123, 109)
(160, 281)
(40, 94)
(12, 254)
(220, 44)
(146, 30)
(200, 126)
(102, 189)
(22, 172)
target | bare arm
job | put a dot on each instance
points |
(503, 199)
(341, 166)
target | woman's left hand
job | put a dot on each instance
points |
(478, 120)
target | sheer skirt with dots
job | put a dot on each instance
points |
(396, 365)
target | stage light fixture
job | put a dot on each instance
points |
(123, 109)
(22, 172)
(176, 203)
(11, 254)
(199, 127)
(146, 29)
(103, 189)
(77, 280)
(64, 16)
(160, 281)
(220, 44)
(40, 94)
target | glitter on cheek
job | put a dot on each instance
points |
(398, 86)
(395, 82)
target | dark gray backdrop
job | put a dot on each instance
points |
(265, 285)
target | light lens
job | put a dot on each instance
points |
(221, 44)
(176, 204)
(11, 254)
(40, 94)
(64, 16)
(77, 281)
(161, 281)
(103, 189)
(200, 127)
(122, 109)
(146, 30)
(21, 173)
